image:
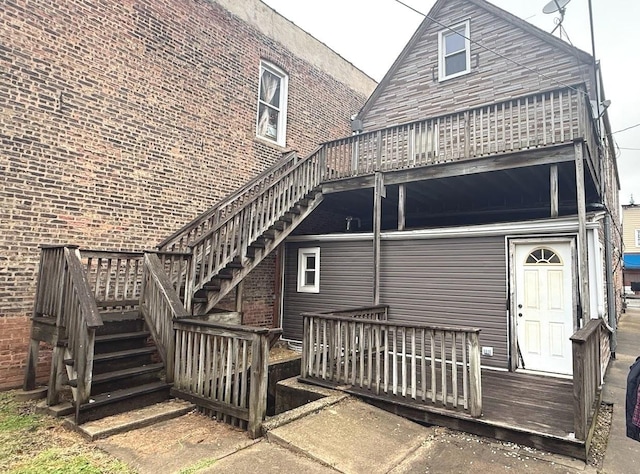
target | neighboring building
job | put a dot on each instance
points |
(121, 121)
(631, 241)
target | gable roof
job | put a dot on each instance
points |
(499, 12)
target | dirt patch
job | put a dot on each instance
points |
(278, 353)
(600, 436)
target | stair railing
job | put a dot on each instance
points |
(64, 294)
(179, 240)
(161, 306)
(232, 236)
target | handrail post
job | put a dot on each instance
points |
(475, 381)
(579, 405)
(258, 384)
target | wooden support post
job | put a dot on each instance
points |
(475, 377)
(32, 361)
(258, 384)
(55, 376)
(583, 268)
(402, 202)
(553, 187)
(239, 291)
(377, 211)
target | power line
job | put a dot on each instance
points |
(624, 129)
(540, 74)
(629, 149)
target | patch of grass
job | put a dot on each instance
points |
(70, 460)
(16, 416)
(195, 467)
(34, 444)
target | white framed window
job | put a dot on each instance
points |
(637, 237)
(454, 52)
(271, 122)
(309, 270)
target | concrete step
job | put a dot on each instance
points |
(131, 420)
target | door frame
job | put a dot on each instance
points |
(514, 360)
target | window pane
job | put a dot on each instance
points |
(455, 42)
(311, 262)
(270, 88)
(455, 63)
(309, 277)
(268, 122)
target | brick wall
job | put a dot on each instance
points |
(121, 121)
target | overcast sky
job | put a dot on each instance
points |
(371, 34)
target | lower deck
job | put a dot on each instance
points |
(529, 409)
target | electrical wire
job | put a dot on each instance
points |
(622, 130)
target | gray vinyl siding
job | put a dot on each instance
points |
(449, 282)
(346, 281)
(410, 93)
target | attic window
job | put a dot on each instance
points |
(454, 52)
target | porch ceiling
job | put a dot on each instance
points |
(496, 196)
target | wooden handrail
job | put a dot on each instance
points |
(227, 201)
(587, 376)
(415, 363)
(231, 238)
(161, 306)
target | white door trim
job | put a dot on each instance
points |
(514, 359)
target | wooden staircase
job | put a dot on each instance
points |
(128, 372)
(111, 316)
(233, 237)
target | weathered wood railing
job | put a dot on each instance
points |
(427, 365)
(64, 294)
(231, 237)
(223, 369)
(587, 377)
(161, 306)
(208, 220)
(115, 277)
(534, 121)
(376, 313)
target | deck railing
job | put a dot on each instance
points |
(161, 306)
(114, 277)
(223, 369)
(231, 237)
(587, 376)
(436, 367)
(180, 240)
(534, 121)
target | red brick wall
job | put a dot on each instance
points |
(121, 121)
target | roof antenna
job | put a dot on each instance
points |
(557, 6)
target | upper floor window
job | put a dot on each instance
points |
(454, 51)
(637, 237)
(272, 104)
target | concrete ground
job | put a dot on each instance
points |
(351, 436)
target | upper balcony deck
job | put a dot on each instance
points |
(538, 128)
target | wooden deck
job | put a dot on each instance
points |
(532, 410)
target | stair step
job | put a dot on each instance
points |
(224, 276)
(286, 218)
(278, 225)
(258, 244)
(211, 286)
(295, 210)
(199, 300)
(123, 336)
(123, 354)
(119, 401)
(235, 263)
(120, 374)
(120, 315)
(269, 234)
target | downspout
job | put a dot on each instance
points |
(611, 296)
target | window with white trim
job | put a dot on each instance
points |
(272, 104)
(454, 57)
(309, 270)
(637, 237)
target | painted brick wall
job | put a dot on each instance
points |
(121, 121)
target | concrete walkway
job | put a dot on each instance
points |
(350, 436)
(623, 454)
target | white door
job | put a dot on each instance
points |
(544, 305)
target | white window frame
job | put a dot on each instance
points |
(281, 134)
(637, 237)
(303, 253)
(441, 51)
